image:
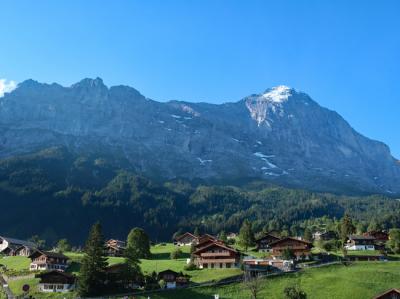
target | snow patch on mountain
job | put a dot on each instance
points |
(278, 94)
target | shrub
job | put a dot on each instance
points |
(176, 254)
(190, 267)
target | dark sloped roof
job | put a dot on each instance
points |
(49, 254)
(290, 238)
(218, 244)
(56, 276)
(184, 235)
(18, 242)
(391, 291)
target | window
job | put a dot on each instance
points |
(228, 265)
(220, 265)
(60, 287)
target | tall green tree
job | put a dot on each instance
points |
(40, 243)
(139, 242)
(92, 273)
(196, 232)
(63, 245)
(133, 271)
(246, 235)
(346, 227)
(222, 236)
(307, 234)
(394, 240)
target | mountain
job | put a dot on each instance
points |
(280, 136)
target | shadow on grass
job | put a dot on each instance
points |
(167, 256)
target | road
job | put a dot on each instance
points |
(6, 289)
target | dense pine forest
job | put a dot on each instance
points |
(57, 194)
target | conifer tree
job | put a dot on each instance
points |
(346, 227)
(246, 235)
(94, 263)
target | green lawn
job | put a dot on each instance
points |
(358, 281)
(159, 261)
(16, 263)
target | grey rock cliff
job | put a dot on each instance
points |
(280, 135)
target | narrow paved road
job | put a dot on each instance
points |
(9, 294)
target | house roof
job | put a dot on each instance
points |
(48, 254)
(18, 242)
(184, 235)
(215, 243)
(290, 238)
(168, 271)
(56, 276)
(267, 235)
(391, 291)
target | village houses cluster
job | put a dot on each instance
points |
(207, 252)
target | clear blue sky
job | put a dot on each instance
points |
(345, 55)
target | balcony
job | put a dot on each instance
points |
(215, 254)
(216, 261)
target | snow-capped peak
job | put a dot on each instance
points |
(277, 94)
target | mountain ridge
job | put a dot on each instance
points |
(280, 135)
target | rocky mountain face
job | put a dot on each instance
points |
(281, 135)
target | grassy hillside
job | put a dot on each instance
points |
(358, 281)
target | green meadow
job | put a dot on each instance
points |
(361, 280)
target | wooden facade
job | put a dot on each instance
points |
(216, 255)
(356, 242)
(115, 247)
(187, 239)
(300, 248)
(46, 260)
(263, 243)
(13, 247)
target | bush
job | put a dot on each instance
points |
(176, 254)
(190, 267)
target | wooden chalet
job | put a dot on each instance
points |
(300, 248)
(356, 242)
(205, 240)
(263, 243)
(390, 294)
(187, 239)
(56, 281)
(47, 260)
(324, 236)
(379, 235)
(173, 279)
(115, 247)
(216, 255)
(12, 247)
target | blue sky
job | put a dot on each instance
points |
(345, 55)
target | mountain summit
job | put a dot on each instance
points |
(280, 135)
